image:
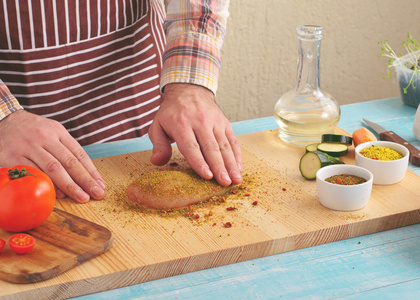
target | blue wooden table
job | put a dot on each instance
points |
(384, 265)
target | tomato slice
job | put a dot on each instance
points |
(2, 243)
(21, 243)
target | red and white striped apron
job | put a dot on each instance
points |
(94, 66)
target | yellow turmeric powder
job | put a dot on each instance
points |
(380, 153)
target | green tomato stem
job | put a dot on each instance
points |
(15, 174)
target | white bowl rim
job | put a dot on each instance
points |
(338, 167)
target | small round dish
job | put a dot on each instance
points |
(384, 171)
(343, 197)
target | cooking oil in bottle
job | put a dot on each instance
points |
(305, 113)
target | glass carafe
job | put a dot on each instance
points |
(306, 112)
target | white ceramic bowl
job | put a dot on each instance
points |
(384, 171)
(343, 197)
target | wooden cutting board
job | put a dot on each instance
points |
(63, 241)
(276, 211)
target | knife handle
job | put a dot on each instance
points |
(393, 137)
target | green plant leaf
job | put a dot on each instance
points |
(412, 47)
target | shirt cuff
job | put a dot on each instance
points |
(8, 102)
(193, 58)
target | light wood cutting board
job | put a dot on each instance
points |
(276, 211)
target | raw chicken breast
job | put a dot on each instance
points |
(173, 189)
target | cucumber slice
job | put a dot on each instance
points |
(337, 138)
(333, 160)
(311, 162)
(334, 149)
(312, 147)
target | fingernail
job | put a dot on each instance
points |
(101, 183)
(236, 175)
(239, 166)
(225, 176)
(97, 192)
(82, 197)
(207, 171)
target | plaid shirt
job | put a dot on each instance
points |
(194, 35)
(8, 102)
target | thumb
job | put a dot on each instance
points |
(162, 150)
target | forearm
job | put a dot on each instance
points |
(195, 32)
(8, 103)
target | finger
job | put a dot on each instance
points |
(236, 147)
(219, 155)
(51, 165)
(79, 174)
(68, 173)
(162, 150)
(229, 159)
(87, 164)
(191, 150)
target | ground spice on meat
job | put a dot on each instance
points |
(345, 179)
(169, 183)
(380, 153)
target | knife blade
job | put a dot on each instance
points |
(387, 135)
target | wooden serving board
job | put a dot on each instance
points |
(63, 241)
(276, 211)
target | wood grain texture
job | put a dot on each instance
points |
(287, 217)
(63, 241)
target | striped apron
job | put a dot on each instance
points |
(94, 66)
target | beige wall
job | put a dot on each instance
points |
(260, 50)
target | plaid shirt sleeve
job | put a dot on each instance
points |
(8, 102)
(194, 36)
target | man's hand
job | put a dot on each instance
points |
(190, 117)
(28, 139)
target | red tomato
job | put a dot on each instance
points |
(21, 243)
(27, 198)
(2, 243)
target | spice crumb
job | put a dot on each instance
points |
(227, 224)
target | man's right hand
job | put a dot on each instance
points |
(28, 139)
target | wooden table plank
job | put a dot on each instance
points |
(327, 269)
